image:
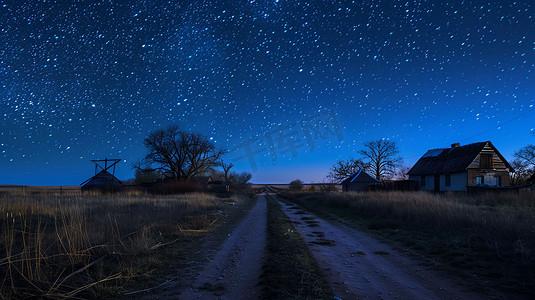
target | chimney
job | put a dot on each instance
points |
(455, 145)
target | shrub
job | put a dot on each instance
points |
(296, 185)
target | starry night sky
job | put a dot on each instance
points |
(84, 80)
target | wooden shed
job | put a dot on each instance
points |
(358, 182)
(103, 180)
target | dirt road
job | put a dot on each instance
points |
(358, 266)
(234, 271)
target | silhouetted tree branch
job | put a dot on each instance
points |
(382, 157)
(344, 168)
(526, 155)
(226, 169)
(179, 154)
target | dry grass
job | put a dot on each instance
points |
(289, 271)
(489, 235)
(49, 242)
(504, 220)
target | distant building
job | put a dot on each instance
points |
(103, 181)
(358, 182)
(202, 180)
(459, 167)
(219, 186)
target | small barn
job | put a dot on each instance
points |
(103, 180)
(219, 186)
(202, 180)
(358, 182)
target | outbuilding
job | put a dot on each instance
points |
(358, 182)
(103, 181)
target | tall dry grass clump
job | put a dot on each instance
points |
(46, 239)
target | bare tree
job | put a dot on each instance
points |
(240, 178)
(147, 175)
(344, 168)
(526, 155)
(327, 187)
(382, 156)
(201, 155)
(401, 173)
(522, 172)
(226, 169)
(179, 154)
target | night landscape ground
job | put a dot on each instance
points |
(413, 245)
(267, 149)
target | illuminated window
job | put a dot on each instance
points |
(480, 180)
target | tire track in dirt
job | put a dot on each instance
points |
(235, 269)
(357, 266)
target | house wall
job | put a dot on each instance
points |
(498, 163)
(458, 182)
(499, 169)
(489, 176)
(356, 187)
(428, 183)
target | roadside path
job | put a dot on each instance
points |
(235, 269)
(358, 266)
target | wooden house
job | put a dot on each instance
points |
(358, 182)
(459, 167)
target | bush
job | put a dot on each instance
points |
(296, 185)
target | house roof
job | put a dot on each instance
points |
(103, 178)
(360, 177)
(450, 160)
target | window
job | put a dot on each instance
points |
(498, 180)
(422, 180)
(448, 180)
(485, 161)
(480, 180)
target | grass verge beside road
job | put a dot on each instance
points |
(488, 239)
(58, 246)
(290, 271)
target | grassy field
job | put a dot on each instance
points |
(54, 245)
(490, 237)
(290, 271)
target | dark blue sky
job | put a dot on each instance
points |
(84, 80)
